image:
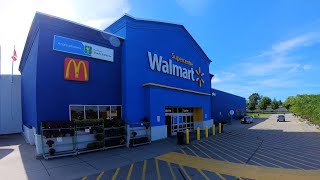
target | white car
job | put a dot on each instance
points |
(247, 119)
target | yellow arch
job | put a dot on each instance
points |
(76, 69)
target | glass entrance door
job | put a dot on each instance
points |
(181, 119)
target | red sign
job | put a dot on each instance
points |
(76, 70)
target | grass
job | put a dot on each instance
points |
(258, 115)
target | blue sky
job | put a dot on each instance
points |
(270, 47)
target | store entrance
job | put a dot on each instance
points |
(178, 119)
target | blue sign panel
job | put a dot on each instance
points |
(82, 48)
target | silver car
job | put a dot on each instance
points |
(247, 119)
(281, 118)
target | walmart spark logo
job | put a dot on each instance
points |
(87, 49)
(199, 79)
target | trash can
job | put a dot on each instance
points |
(180, 138)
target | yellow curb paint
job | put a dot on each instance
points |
(184, 172)
(203, 174)
(84, 178)
(172, 173)
(144, 170)
(237, 169)
(100, 175)
(129, 172)
(115, 174)
(158, 171)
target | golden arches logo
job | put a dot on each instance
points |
(77, 74)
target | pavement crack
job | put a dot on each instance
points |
(254, 152)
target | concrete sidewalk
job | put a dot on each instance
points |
(18, 161)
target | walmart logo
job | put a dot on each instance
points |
(87, 49)
(199, 79)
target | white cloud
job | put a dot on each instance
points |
(280, 57)
(192, 7)
(307, 67)
(16, 18)
(223, 77)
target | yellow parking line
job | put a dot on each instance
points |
(203, 174)
(184, 172)
(221, 177)
(183, 151)
(213, 152)
(100, 175)
(202, 151)
(129, 172)
(297, 160)
(278, 161)
(144, 170)
(217, 143)
(84, 178)
(192, 151)
(229, 151)
(158, 171)
(223, 152)
(115, 174)
(172, 173)
(238, 170)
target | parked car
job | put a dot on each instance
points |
(247, 119)
(281, 118)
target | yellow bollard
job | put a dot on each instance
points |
(213, 129)
(198, 133)
(207, 132)
(219, 128)
(187, 136)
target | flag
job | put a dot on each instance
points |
(15, 56)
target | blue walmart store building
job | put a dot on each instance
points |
(131, 70)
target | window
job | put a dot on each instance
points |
(77, 112)
(80, 112)
(91, 112)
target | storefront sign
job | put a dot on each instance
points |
(76, 70)
(158, 64)
(82, 48)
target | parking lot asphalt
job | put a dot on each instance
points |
(265, 149)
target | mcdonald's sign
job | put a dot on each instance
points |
(76, 70)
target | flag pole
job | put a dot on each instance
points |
(14, 47)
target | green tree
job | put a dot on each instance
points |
(264, 103)
(253, 101)
(289, 102)
(274, 104)
(280, 103)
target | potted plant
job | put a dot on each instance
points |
(52, 151)
(47, 134)
(146, 122)
(134, 134)
(50, 143)
(99, 137)
(56, 133)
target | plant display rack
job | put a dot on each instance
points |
(58, 139)
(138, 134)
(81, 136)
(115, 133)
(89, 135)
